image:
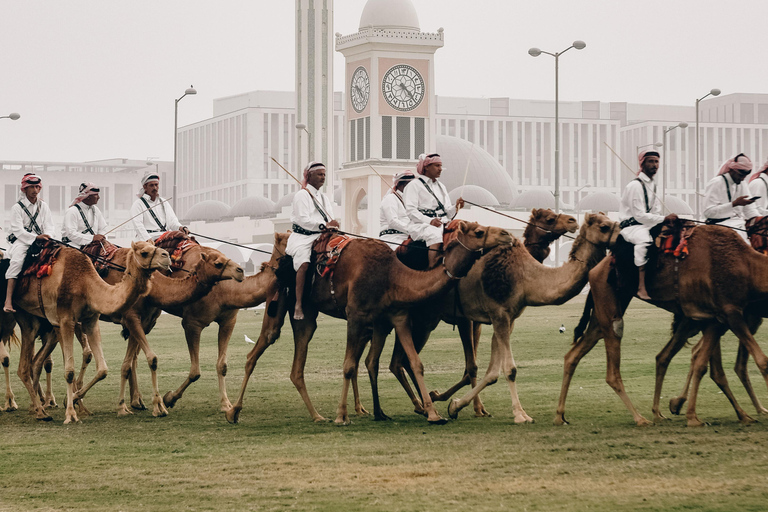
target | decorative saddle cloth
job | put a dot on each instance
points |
(757, 230)
(101, 253)
(40, 258)
(413, 253)
(326, 251)
(176, 243)
(673, 238)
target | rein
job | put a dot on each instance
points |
(236, 245)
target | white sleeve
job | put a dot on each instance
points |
(137, 220)
(411, 199)
(47, 224)
(70, 228)
(17, 226)
(99, 223)
(171, 221)
(757, 188)
(715, 206)
(389, 210)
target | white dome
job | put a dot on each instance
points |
(484, 170)
(535, 198)
(392, 14)
(209, 210)
(475, 194)
(252, 206)
(677, 206)
(600, 202)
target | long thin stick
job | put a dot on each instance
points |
(634, 174)
(387, 184)
(140, 213)
(302, 186)
(466, 171)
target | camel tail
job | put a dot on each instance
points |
(13, 339)
(578, 332)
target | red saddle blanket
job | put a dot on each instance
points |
(327, 250)
(674, 238)
(757, 229)
(176, 243)
(42, 264)
(101, 253)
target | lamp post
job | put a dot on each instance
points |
(535, 52)
(713, 92)
(189, 91)
(13, 116)
(302, 126)
(664, 159)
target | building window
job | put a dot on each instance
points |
(403, 126)
(352, 141)
(367, 137)
(360, 140)
(419, 136)
(386, 137)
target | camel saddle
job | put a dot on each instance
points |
(413, 253)
(674, 235)
(176, 243)
(326, 251)
(102, 254)
(40, 258)
(757, 230)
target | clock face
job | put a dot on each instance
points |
(359, 89)
(403, 87)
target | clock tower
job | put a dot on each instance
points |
(389, 104)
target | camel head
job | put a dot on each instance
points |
(557, 224)
(467, 243)
(599, 230)
(213, 264)
(149, 257)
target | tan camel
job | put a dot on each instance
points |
(7, 336)
(211, 267)
(221, 305)
(714, 286)
(73, 293)
(507, 280)
(372, 290)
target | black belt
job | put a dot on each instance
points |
(716, 221)
(391, 232)
(300, 230)
(155, 230)
(629, 222)
(431, 213)
(11, 238)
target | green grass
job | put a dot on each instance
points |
(277, 459)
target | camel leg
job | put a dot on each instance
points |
(402, 328)
(579, 349)
(127, 375)
(490, 377)
(87, 355)
(718, 375)
(698, 369)
(93, 332)
(5, 358)
(50, 399)
(683, 329)
(66, 338)
(356, 341)
(613, 375)
(136, 330)
(742, 356)
(192, 335)
(303, 330)
(741, 329)
(359, 409)
(42, 360)
(137, 401)
(372, 363)
(399, 368)
(676, 402)
(29, 328)
(270, 332)
(225, 334)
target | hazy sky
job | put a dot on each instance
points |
(95, 79)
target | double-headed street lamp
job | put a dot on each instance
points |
(535, 52)
(189, 91)
(13, 116)
(664, 159)
(302, 126)
(713, 92)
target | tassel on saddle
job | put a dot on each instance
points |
(176, 243)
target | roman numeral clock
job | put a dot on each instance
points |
(403, 87)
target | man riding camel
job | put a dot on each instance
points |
(83, 221)
(157, 218)
(312, 213)
(640, 211)
(758, 186)
(31, 220)
(395, 224)
(428, 205)
(726, 199)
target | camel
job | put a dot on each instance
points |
(372, 290)
(221, 305)
(72, 293)
(210, 268)
(713, 287)
(544, 227)
(7, 336)
(498, 289)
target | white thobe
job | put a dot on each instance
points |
(718, 196)
(21, 227)
(418, 199)
(393, 216)
(759, 187)
(74, 229)
(633, 206)
(306, 216)
(145, 226)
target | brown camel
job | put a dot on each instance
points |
(72, 293)
(211, 267)
(714, 286)
(221, 305)
(372, 290)
(497, 291)
(7, 336)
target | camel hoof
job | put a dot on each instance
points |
(138, 404)
(169, 400)
(11, 406)
(361, 411)
(225, 406)
(159, 410)
(642, 422)
(676, 404)
(560, 420)
(524, 419)
(482, 413)
(660, 418)
(439, 421)
(342, 422)
(747, 420)
(453, 409)
(122, 410)
(380, 416)
(696, 422)
(233, 415)
(51, 403)
(321, 419)
(762, 410)
(435, 396)
(42, 416)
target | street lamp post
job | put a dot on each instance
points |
(302, 126)
(13, 116)
(535, 52)
(713, 92)
(189, 91)
(664, 159)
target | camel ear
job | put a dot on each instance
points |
(589, 217)
(133, 246)
(203, 256)
(535, 212)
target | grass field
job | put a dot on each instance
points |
(277, 459)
